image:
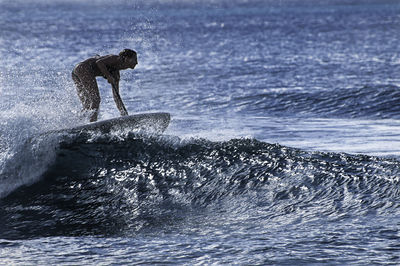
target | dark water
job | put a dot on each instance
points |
(283, 147)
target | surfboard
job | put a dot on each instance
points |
(151, 122)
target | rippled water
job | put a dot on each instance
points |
(282, 147)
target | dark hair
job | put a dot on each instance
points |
(127, 53)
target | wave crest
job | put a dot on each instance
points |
(113, 185)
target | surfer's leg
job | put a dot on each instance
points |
(79, 88)
(88, 92)
(92, 97)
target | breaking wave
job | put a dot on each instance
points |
(113, 185)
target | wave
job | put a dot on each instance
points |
(109, 185)
(377, 101)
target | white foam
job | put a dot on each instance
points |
(25, 163)
(25, 111)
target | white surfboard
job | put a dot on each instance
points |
(152, 122)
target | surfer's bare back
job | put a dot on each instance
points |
(108, 67)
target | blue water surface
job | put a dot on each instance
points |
(283, 146)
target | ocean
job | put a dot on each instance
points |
(283, 148)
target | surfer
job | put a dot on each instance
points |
(108, 66)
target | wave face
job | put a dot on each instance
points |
(315, 76)
(372, 102)
(112, 186)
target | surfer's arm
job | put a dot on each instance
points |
(118, 100)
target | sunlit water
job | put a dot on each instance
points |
(282, 149)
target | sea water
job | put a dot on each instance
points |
(283, 147)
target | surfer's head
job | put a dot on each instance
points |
(129, 57)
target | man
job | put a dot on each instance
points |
(108, 66)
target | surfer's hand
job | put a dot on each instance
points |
(124, 112)
(111, 80)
